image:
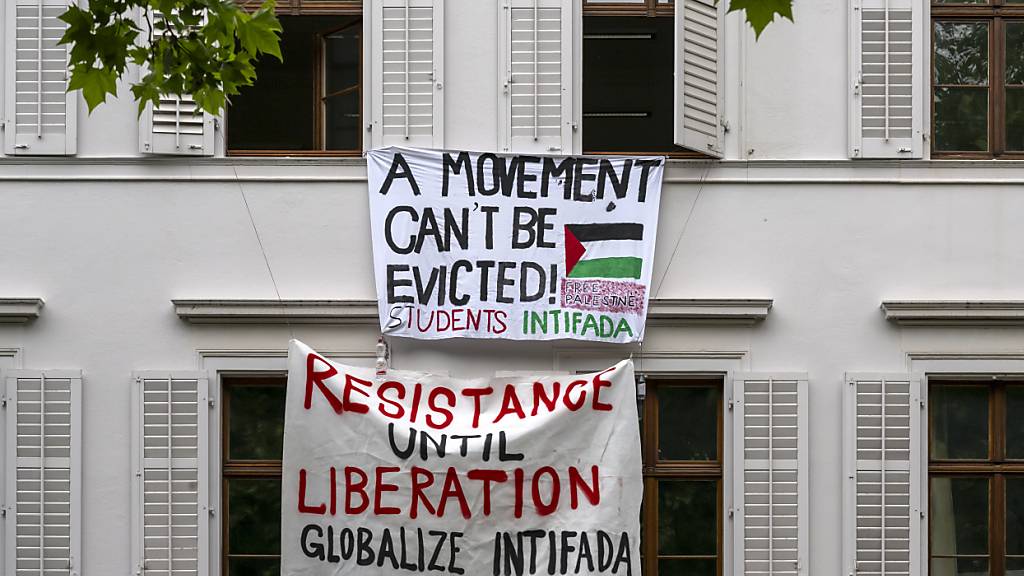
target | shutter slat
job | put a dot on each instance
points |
(40, 112)
(42, 474)
(886, 88)
(171, 521)
(698, 93)
(771, 468)
(882, 469)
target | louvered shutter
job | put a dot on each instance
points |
(886, 105)
(537, 57)
(176, 126)
(770, 418)
(699, 73)
(170, 522)
(882, 475)
(42, 470)
(408, 53)
(40, 114)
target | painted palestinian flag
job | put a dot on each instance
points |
(603, 250)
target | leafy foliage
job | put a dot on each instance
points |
(205, 48)
(761, 13)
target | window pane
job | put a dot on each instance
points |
(1015, 422)
(1015, 515)
(254, 566)
(688, 517)
(695, 567)
(959, 509)
(1015, 566)
(341, 59)
(961, 119)
(959, 422)
(1015, 119)
(961, 53)
(254, 516)
(959, 567)
(688, 422)
(341, 122)
(257, 422)
(1015, 52)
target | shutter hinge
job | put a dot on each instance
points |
(216, 123)
(725, 124)
(731, 512)
(3, 401)
(21, 146)
(213, 512)
(731, 402)
(3, 511)
(211, 402)
(575, 127)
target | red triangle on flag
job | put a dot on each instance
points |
(574, 250)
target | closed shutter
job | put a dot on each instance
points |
(40, 114)
(771, 474)
(537, 57)
(886, 105)
(176, 126)
(882, 478)
(408, 51)
(42, 471)
(171, 517)
(699, 74)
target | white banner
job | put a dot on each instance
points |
(483, 245)
(414, 473)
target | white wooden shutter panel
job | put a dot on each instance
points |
(171, 518)
(536, 54)
(882, 475)
(699, 75)
(43, 474)
(886, 105)
(408, 55)
(40, 114)
(770, 416)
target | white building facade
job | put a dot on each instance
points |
(834, 359)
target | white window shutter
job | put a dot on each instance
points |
(171, 511)
(39, 115)
(42, 471)
(408, 59)
(882, 495)
(887, 64)
(699, 75)
(770, 515)
(536, 54)
(176, 126)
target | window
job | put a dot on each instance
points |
(978, 78)
(253, 437)
(310, 104)
(976, 478)
(681, 521)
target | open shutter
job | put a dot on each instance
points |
(771, 474)
(176, 126)
(171, 516)
(40, 114)
(536, 59)
(886, 104)
(408, 57)
(43, 474)
(882, 475)
(699, 73)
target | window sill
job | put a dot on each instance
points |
(954, 313)
(20, 310)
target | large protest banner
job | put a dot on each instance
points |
(412, 473)
(485, 245)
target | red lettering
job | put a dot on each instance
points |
(598, 384)
(352, 405)
(400, 392)
(447, 320)
(487, 476)
(452, 487)
(448, 416)
(314, 377)
(455, 320)
(576, 485)
(383, 486)
(417, 395)
(358, 487)
(541, 397)
(303, 507)
(570, 404)
(544, 509)
(499, 317)
(418, 487)
(510, 404)
(476, 394)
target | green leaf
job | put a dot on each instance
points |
(761, 13)
(95, 84)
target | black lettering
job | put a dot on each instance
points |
(522, 177)
(503, 281)
(407, 452)
(620, 184)
(453, 283)
(453, 551)
(399, 169)
(645, 168)
(489, 212)
(312, 549)
(388, 224)
(580, 177)
(364, 553)
(456, 167)
(433, 565)
(562, 170)
(394, 283)
(481, 181)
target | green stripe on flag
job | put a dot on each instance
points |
(616, 267)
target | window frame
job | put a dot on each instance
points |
(316, 8)
(996, 13)
(645, 8)
(995, 469)
(655, 469)
(240, 469)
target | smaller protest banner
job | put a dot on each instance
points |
(522, 247)
(414, 473)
